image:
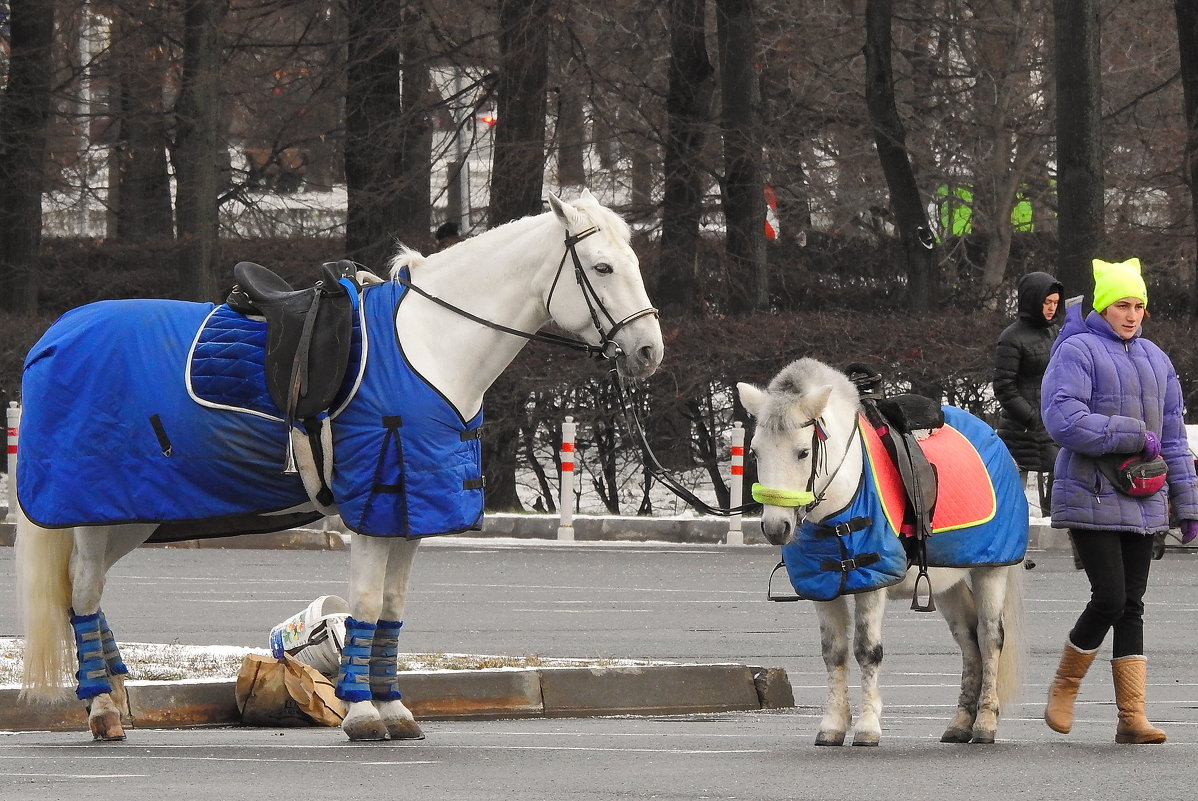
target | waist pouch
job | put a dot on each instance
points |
(1134, 476)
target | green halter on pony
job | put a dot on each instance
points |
(779, 497)
(792, 498)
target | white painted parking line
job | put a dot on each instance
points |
(141, 756)
(82, 776)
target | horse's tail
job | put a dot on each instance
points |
(44, 596)
(1013, 657)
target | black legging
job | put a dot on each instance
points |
(1117, 564)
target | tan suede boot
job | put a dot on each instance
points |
(1131, 681)
(1063, 692)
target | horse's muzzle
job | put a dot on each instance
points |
(778, 525)
(640, 363)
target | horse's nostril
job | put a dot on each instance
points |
(648, 354)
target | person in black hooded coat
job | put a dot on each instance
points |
(1020, 358)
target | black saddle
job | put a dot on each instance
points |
(308, 333)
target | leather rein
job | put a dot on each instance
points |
(607, 347)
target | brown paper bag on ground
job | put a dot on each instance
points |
(285, 692)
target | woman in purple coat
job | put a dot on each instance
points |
(1106, 391)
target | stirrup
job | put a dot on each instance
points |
(930, 605)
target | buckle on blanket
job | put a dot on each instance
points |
(845, 528)
(847, 565)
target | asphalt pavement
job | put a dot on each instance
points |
(680, 602)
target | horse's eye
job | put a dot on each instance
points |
(802, 453)
(603, 268)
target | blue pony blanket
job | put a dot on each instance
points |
(157, 411)
(981, 515)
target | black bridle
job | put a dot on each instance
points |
(607, 347)
(819, 460)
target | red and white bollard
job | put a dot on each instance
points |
(565, 506)
(736, 484)
(14, 426)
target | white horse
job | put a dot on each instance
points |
(572, 265)
(801, 470)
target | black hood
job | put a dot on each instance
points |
(1033, 289)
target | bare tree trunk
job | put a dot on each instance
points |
(1187, 40)
(198, 138)
(414, 208)
(519, 161)
(744, 198)
(571, 130)
(373, 160)
(24, 111)
(923, 284)
(519, 169)
(688, 105)
(1079, 142)
(143, 192)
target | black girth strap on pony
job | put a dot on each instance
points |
(895, 419)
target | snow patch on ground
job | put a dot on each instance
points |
(155, 662)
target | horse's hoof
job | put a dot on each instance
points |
(106, 727)
(404, 730)
(365, 730)
(870, 740)
(829, 738)
(955, 735)
(984, 738)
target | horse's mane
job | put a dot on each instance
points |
(796, 380)
(587, 205)
(404, 257)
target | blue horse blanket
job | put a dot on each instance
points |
(156, 411)
(976, 523)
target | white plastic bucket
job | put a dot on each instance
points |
(314, 636)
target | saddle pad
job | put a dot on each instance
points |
(226, 364)
(866, 553)
(225, 368)
(965, 499)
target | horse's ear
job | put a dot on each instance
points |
(752, 398)
(815, 401)
(559, 208)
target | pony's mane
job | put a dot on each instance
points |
(796, 380)
(587, 205)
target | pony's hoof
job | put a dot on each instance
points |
(404, 730)
(870, 740)
(984, 737)
(956, 735)
(829, 738)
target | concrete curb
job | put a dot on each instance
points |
(458, 695)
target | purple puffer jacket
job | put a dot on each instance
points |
(1099, 395)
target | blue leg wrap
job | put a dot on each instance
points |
(353, 683)
(93, 672)
(384, 656)
(112, 654)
